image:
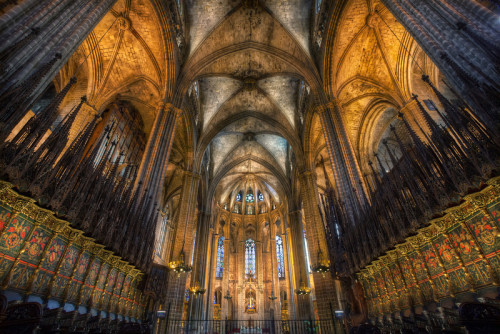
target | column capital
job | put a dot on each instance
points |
(172, 108)
(409, 107)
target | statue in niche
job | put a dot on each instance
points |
(265, 238)
(250, 301)
(234, 236)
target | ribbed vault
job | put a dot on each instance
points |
(247, 71)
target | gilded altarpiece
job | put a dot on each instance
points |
(457, 253)
(42, 255)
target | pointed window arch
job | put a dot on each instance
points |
(280, 258)
(220, 258)
(249, 258)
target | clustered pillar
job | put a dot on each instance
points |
(303, 302)
(184, 236)
(324, 284)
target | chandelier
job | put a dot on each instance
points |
(323, 264)
(227, 296)
(180, 266)
(303, 290)
(197, 290)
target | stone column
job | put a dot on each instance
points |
(201, 259)
(155, 158)
(461, 38)
(324, 285)
(153, 169)
(345, 167)
(183, 240)
(303, 303)
(289, 272)
(259, 278)
(212, 262)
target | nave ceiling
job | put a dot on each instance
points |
(247, 77)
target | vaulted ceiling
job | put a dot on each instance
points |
(125, 56)
(370, 68)
(245, 81)
(247, 75)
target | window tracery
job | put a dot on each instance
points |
(220, 258)
(249, 259)
(280, 257)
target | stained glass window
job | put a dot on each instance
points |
(249, 258)
(250, 198)
(279, 255)
(186, 295)
(261, 197)
(220, 258)
(238, 197)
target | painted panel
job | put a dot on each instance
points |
(485, 232)
(102, 276)
(56, 249)
(111, 280)
(14, 235)
(69, 261)
(446, 253)
(126, 286)
(430, 259)
(36, 245)
(463, 243)
(94, 271)
(5, 212)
